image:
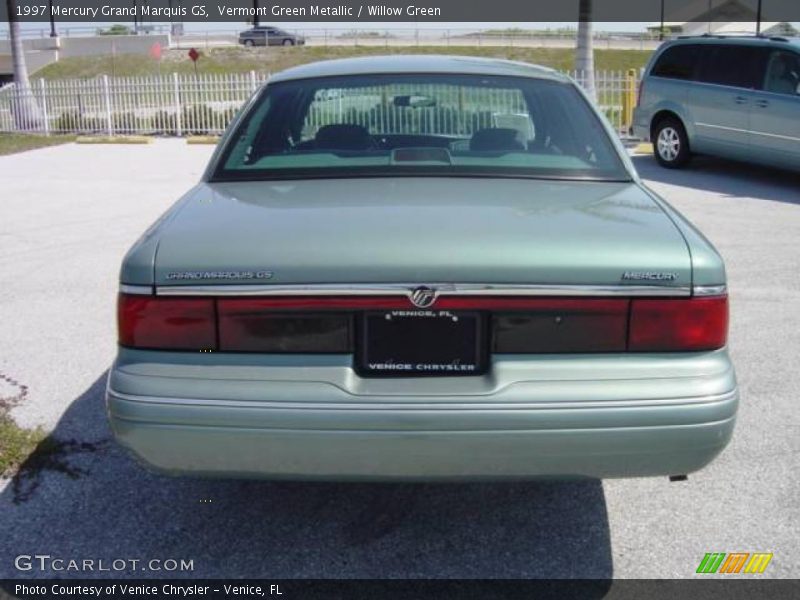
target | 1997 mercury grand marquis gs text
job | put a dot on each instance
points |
(422, 268)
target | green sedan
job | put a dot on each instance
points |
(422, 268)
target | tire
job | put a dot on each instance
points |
(671, 144)
(249, 43)
(288, 42)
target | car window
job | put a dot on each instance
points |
(731, 65)
(783, 73)
(421, 124)
(677, 62)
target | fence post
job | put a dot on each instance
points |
(629, 98)
(107, 100)
(253, 83)
(44, 107)
(177, 87)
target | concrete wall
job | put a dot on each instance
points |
(40, 52)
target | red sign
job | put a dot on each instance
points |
(155, 51)
(194, 54)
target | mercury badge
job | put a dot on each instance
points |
(649, 276)
(423, 297)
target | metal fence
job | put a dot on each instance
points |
(181, 105)
(166, 105)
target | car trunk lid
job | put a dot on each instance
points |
(421, 230)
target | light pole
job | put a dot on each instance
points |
(52, 19)
(255, 13)
(758, 19)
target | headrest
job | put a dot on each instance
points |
(496, 139)
(341, 136)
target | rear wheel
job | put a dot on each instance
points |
(288, 42)
(670, 143)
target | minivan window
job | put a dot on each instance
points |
(731, 65)
(678, 62)
(783, 73)
(420, 124)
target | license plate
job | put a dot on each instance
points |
(421, 342)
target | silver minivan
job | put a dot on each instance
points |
(733, 97)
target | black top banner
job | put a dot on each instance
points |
(239, 11)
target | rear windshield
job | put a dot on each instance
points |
(420, 125)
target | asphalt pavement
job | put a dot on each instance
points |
(68, 214)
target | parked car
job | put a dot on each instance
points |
(270, 36)
(392, 286)
(734, 97)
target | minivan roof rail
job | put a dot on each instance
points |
(723, 36)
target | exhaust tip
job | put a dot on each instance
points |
(673, 478)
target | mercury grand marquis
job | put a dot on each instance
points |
(423, 268)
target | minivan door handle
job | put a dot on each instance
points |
(762, 103)
(740, 100)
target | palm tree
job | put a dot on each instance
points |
(584, 54)
(26, 111)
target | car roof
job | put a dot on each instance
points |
(428, 63)
(752, 40)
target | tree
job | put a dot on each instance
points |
(27, 115)
(584, 54)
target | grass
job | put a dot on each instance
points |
(26, 453)
(239, 59)
(11, 143)
(16, 444)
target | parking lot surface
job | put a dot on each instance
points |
(68, 214)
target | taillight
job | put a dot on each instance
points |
(328, 324)
(256, 326)
(166, 323)
(678, 325)
(541, 325)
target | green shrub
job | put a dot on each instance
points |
(165, 122)
(73, 121)
(128, 122)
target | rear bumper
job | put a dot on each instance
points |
(543, 416)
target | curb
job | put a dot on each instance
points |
(202, 139)
(112, 140)
(642, 149)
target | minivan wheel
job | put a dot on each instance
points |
(288, 43)
(249, 43)
(670, 144)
